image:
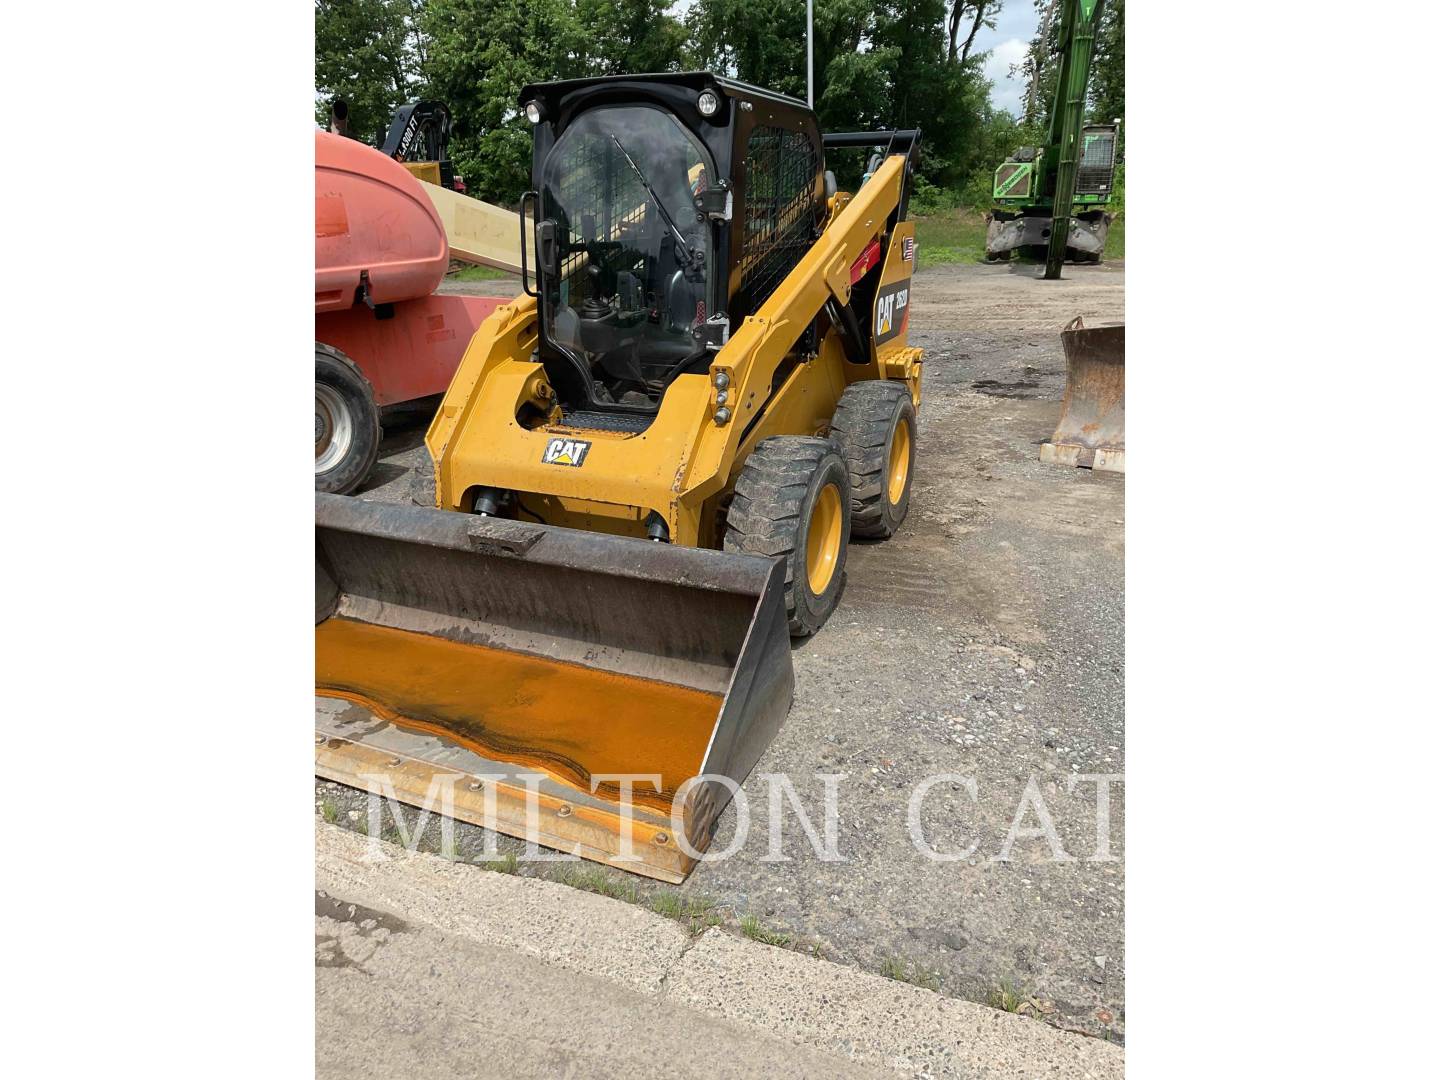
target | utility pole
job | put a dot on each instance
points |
(810, 53)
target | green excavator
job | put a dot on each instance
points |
(1054, 198)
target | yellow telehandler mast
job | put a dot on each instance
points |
(644, 477)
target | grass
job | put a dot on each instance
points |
(904, 970)
(697, 912)
(958, 236)
(479, 273)
(506, 864)
(1006, 998)
(596, 879)
(752, 928)
(1115, 239)
(950, 236)
(329, 811)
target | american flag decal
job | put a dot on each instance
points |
(907, 249)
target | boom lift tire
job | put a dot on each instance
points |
(347, 423)
(874, 426)
(791, 503)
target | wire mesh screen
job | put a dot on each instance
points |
(1097, 163)
(596, 196)
(780, 208)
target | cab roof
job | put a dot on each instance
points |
(550, 92)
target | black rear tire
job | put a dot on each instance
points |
(347, 423)
(874, 427)
(791, 503)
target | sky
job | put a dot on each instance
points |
(1007, 43)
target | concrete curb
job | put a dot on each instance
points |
(813, 1003)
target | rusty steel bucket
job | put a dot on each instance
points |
(512, 674)
(1091, 431)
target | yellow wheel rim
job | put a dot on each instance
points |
(822, 544)
(899, 463)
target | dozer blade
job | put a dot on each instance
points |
(520, 670)
(1091, 432)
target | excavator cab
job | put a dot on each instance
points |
(667, 208)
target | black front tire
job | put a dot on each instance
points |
(347, 423)
(789, 488)
(874, 426)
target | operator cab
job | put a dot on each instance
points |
(666, 208)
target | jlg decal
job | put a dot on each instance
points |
(565, 452)
(891, 310)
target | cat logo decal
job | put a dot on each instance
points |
(566, 452)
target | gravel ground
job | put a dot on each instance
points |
(985, 640)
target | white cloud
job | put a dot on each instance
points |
(1006, 92)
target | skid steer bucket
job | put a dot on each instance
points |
(1091, 432)
(513, 675)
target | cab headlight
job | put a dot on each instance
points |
(708, 103)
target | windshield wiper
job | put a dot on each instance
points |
(692, 257)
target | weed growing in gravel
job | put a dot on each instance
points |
(329, 811)
(751, 927)
(1007, 998)
(506, 864)
(698, 912)
(597, 880)
(702, 914)
(909, 971)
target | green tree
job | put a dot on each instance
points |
(1106, 90)
(481, 54)
(947, 101)
(631, 37)
(759, 41)
(878, 64)
(365, 52)
(1038, 66)
(969, 17)
(1107, 74)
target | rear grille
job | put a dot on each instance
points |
(1096, 170)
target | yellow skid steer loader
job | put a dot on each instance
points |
(644, 477)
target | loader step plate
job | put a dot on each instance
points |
(527, 710)
(603, 421)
